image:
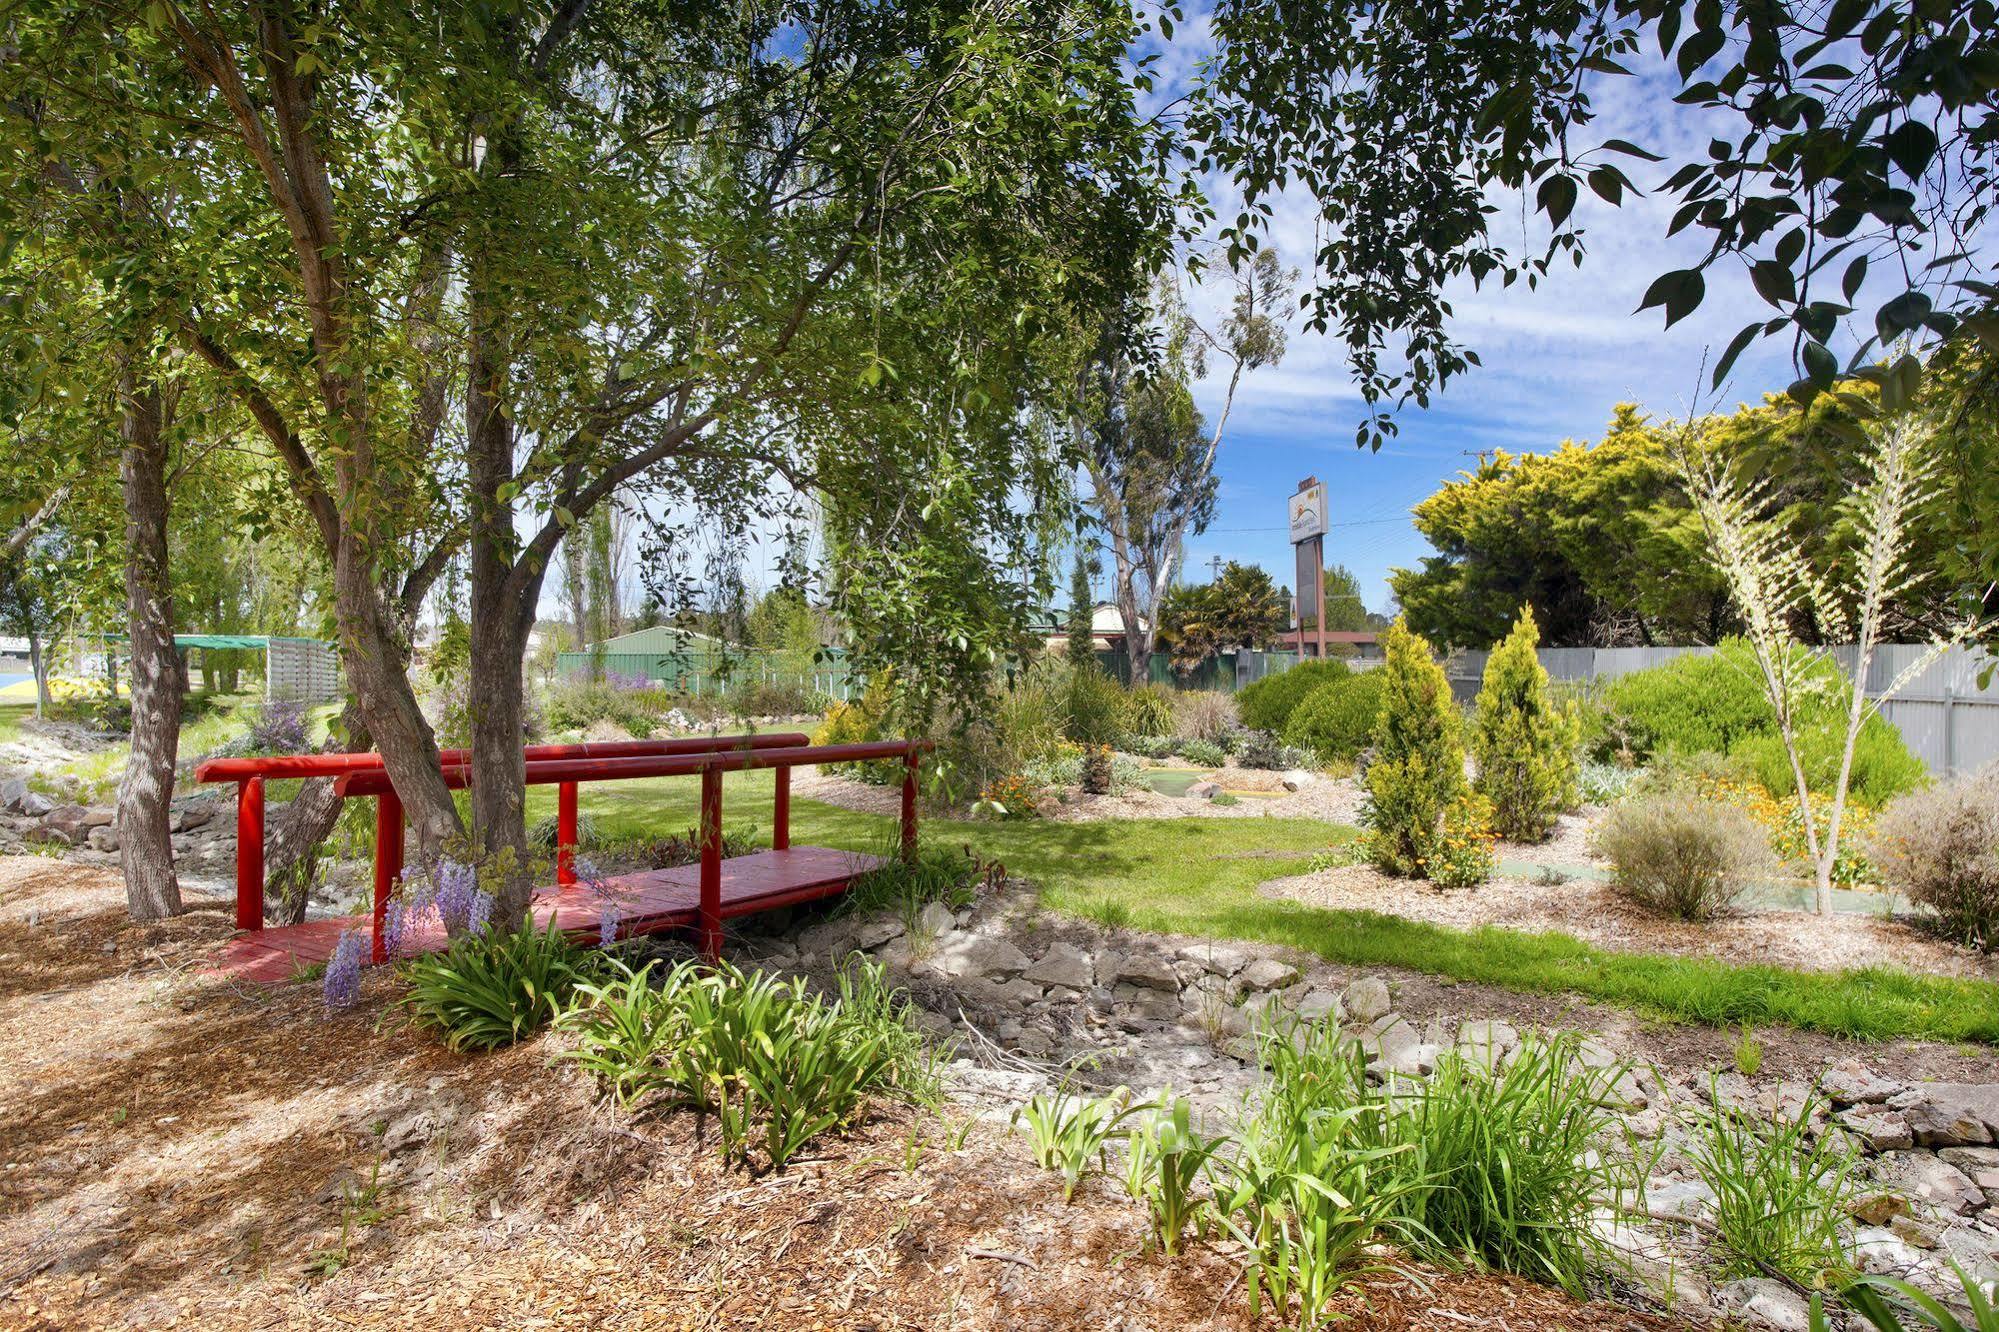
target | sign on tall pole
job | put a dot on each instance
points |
(1308, 542)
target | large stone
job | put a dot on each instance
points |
(1391, 1037)
(966, 956)
(99, 816)
(877, 930)
(13, 790)
(1488, 1036)
(34, 804)
(1879, 1252)
(936, 920)
(1850, 1082)
(1317, 1005)
(104, 839)
(1129, 1002)
(1216, 959)
(69, 823)
(195, 814)
(1951, 1114)
(964, 1078)
(1925, 1178)
(1063, 964)
(1204, 790)
(1761, 1302)
(1267, 973)
(1367, 999)
(1878, 1128)
(1150, 971)
(1295, 779)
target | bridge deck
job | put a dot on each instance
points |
(647, 902)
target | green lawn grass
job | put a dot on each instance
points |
(1199, 876)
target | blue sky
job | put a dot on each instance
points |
(1556, 362)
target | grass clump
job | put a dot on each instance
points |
(495, 988)
(1071, 1133)
(1681, 856)
(1780, 1190)
(774, 1065)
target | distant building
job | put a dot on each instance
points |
(1106, 630)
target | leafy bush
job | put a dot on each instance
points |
(1064, 767)
(1093, 707)
(1680, 855)
(1204, 754)
(1150, 746)
(492, 989)
(1781, 1191)
(1267, 704)
(1148, 710)
(764, 1057)
(1883, 767)
(1336, 720)
(1462, 856)
(1204, 714)
(1260, 749)
(1507, 1165)
(278, 726)
(1525, 745)
(633, 704)
(1096, 776)
(1692, 704)
(774, 698)
(1604, 783)
(1418, 768)
(860, 721)
(1940, 848)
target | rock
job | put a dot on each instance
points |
(1971, 1160)
(1918, 1234)
(104, 839)
(1295, 779)
(1680, 1197)
(1316, 1005)
(1390, 1036)
(13, 791)
(875, 931)
(1849, 1082)
(99, 816)
(1410, 1061)
(1267, 973)
(1367, 999)
(1878, 1128)
(1877, 1209)
(1215, 959)
(1489, 1034)
(1765, 1303)
(1143, 1003)
(1204, 790)
(1924, 1178)
(34, 804)
(967, 956)
(48, 834)
(1150, 971)
(195, 814)
(935, 920)
(69, 823)
(1950, 1114)
(1880, 1253)
(1063, 964)
(965, 1078)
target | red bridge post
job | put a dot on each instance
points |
(910, 762)
(709, 918)
(780, 810)
(250, 854)
(388, 865)
(565, 833)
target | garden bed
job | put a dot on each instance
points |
(1258, 793)
(185, 1154)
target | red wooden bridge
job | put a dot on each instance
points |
(697, 897)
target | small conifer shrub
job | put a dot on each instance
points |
(1524, 743)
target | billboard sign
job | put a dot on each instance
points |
(1308, 512)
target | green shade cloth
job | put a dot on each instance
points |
(257, 641)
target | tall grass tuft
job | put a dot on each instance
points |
(1780, 1192)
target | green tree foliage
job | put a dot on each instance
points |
(1241, 608)
(1337, 719)
(1523, 742)
(1418, 771)
(1823, 168)
(1600, 540)
(1080, 649)
(1344, 610)
(1267, 704)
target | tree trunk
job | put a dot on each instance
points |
(503, 602)
(291, 853)
(39, 670)
(145, 794)
(372, 652)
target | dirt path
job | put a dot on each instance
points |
(182, 1154)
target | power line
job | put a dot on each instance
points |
(1371, 522)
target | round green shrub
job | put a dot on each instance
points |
(1691, 704)
(1267, 705)
(1883, 767)
(1336, 720)
(1204, 754)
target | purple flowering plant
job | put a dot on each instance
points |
(446, 889)
(610, 908)
(342, 984)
